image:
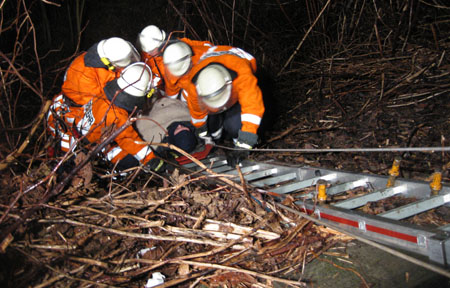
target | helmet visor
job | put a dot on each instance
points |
(131, 58)
(180, 67)
(136, 79)
(218, 100)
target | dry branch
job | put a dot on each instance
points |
(11, 157)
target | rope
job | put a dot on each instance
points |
(352, 150)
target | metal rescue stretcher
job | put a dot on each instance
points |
(387, 227)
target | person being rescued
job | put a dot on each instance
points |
(102, 115)
(222, 95)
(168, 121)
(152, 41)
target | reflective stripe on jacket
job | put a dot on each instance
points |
(60, 120)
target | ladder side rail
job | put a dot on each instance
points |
(390, 232)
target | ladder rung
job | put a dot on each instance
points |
(338, 188)
(207, 162)
(245, 170)
(232, 171)
(275, 180)
(217, 163)
(416, 207)
(445, 228)
(333, 190)
(371, 197)
(302, 184)
(260, 174)
(222, 169)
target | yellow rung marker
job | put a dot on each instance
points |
(435, 183)
(321, 190)
(394, 172)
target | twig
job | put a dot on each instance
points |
(408, 79)
(294, 131)
(11, 157)
(345, 268)
(200, 219)
(215, 225)
(244, 188)
(249, 272)
(185, 21)
(304, 38)
(135, 235)
(380, 47)
(59, 277)
(196, 161)
(60, 273)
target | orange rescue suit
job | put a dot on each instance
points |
(82, 81)
(161, 79)
(245, 89)
(69, 123)
(93, 126)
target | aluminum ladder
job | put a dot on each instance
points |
(386, 228)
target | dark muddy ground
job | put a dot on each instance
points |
(378, 269)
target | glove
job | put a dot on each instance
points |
(156, 165)
(203, 135)
(236, 156)
(162, 152)
(246, 140)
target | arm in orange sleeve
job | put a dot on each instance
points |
(171, 89)
(198, 115)
(250, 99)
(156, 65)
(81, 83)
(129, 141)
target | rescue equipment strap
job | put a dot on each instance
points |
(107, 63)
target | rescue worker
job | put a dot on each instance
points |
(223, 95)
(102, 115)
(101, 63)
(152, 41)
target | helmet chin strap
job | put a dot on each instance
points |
(107, 63)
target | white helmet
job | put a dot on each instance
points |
(117, 52)
(213, 86)
(136, 79)
(177, 58)
(151, 38)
